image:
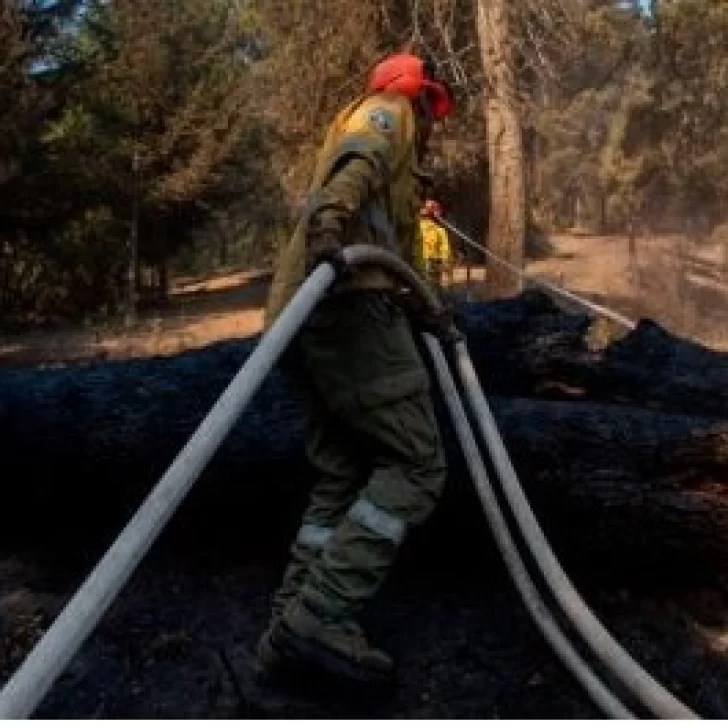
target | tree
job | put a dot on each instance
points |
(163, 112)
(578, 122)
(520, 44)
(507, 223)
(668, 144)
(318, 55)
(34, 77)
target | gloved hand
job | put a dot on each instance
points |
(440, 324)
(324, 247)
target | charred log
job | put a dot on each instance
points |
(656, 369)
(622, 485)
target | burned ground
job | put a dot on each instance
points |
(177, 643)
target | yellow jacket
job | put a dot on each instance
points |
(434, 243)
(366, 189)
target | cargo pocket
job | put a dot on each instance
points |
(419, 426)
(362, 355)
(410, 469)
(404, 428)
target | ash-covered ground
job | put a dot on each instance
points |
(178, 641)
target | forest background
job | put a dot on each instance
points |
(148, 142)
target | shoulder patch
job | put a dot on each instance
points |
(383, 120)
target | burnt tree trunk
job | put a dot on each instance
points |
(634, 484)
(506, 157)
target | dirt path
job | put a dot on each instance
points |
(199, 312)
(688, 295)
(673, 281)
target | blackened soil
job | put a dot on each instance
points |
(178, 643)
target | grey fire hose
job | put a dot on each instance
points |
(536, 607)
(642, 685)
(49, 658)
(51, 655)
(633, 677)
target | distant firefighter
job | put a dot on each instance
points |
(435, 259)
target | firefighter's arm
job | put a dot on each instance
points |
(337, 202)
(360, 167)
(337, 205)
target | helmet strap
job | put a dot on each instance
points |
(425, 108)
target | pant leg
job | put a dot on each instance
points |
(388, 410)
(404, 487)
(341, 475)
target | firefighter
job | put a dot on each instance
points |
(372, 433)
(436, 260)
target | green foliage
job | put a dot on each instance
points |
(665, 161)
(579, 128)
(147, 106)
(639, 134)
(223, 103)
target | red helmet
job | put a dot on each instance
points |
(431, 208)
(409, 75)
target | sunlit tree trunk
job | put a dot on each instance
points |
(506, 160)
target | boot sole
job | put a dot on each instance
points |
(295, 648)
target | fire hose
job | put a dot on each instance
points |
(51, 655)
(558, 291)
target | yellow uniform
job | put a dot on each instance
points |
(435, 242)
(366, 189)
(434, 253)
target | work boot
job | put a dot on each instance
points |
(335, 645)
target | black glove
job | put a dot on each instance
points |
(324, 247)
(440, 323)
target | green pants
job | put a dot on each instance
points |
(375, 441)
